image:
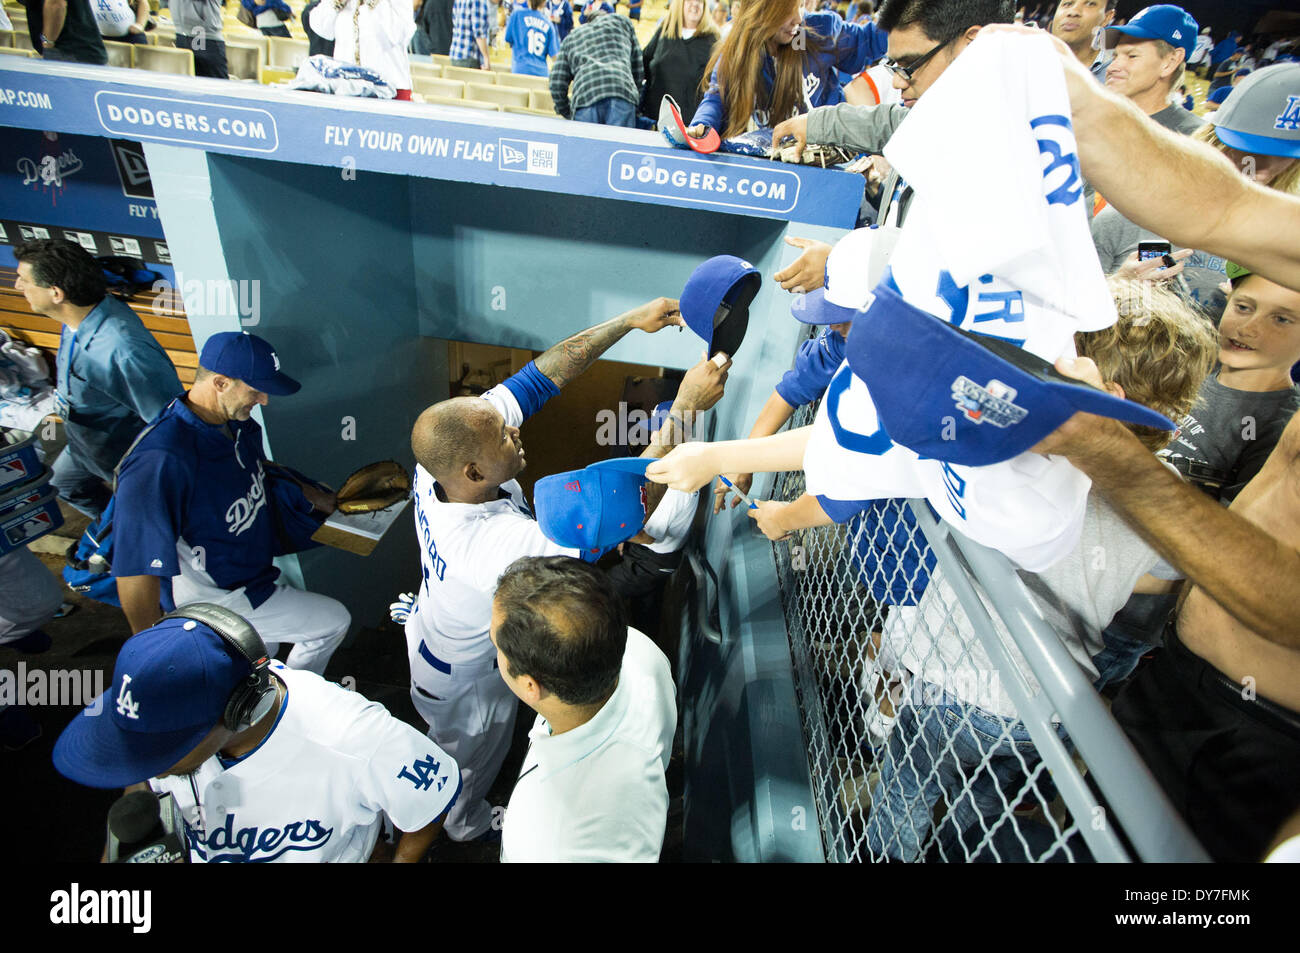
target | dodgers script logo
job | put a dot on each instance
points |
(1290, 116)
(1058, 145)
(991, 404)
(811, 83)
(256, 845)
(243, 512)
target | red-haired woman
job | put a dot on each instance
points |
(777, 62)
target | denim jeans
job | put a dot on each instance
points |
(611, 111)
(973, 760)
(1135, 630)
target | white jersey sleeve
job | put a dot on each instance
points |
(408, 777)
(504, 400)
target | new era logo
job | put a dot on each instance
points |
(573, 486)
(520, 155)
(990, 404)
(156, 564)
(512, 156)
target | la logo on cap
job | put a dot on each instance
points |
(1290, 115)
(126, 705)
(275, 360)
(992, 403)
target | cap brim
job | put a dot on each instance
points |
(281, 385)
(635, 465)
(93, 751)
(1259, 145)
(813, 308)
(708, 143)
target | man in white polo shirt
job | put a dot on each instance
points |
(592, 787)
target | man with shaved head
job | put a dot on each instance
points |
(473, 522)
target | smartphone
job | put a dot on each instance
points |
(1149, 250)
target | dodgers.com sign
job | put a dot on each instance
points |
(703, 181)
(186, 121)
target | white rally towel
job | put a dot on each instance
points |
(996, 241)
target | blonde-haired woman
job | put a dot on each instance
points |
(677, 57)
(778, 62)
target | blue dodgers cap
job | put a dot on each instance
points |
(854, 266)
(715, 302)
(248, 358)
(595, 508)
(170, 687)
(1165, 22)
(966, 398)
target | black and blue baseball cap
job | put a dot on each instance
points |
(248, 358)
(1164, 21)
(966, 398)
(715, 302)
(171, 684)
(593, 509)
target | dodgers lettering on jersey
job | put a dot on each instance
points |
(231, 844)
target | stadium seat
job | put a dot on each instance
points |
(14, 51)
(501, 67)
(270, 75)
(248, 37)
(286, 53)
(448, 101)
(441, 88)
(524, 82)
(502, 95)
(541, 100)
(426, 69)
(442, 59)
(525, 111)
(20, 38)
(164, 59)
(120, 54)
(468, 75)
(243, 60)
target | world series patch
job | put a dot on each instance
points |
(992, 403)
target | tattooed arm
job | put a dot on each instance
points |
(566, 360)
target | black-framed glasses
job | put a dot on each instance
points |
(907, 72)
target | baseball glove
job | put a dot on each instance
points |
(375, 486)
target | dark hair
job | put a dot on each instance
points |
(940, 19)
(564, 625)
(59, 263)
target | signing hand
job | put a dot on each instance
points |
(768, 516)
(687, 467)
(702, 387)
(797, 129)
(656, 315)
(808, 271)
(741, 481)
(1153, 269)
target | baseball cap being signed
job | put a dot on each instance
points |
(1165, 22)
(716, 300)
(966, 398)
(248, 358)
(595, 508)
(170, 687)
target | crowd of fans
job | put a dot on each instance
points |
(1208, 334)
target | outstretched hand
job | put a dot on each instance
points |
(656, 315)
(795, 128)
(808, 271)
(703, 386)
(687, 467)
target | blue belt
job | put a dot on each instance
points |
(439, 664)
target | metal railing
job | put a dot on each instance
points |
(935, 733)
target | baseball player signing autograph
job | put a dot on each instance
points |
(265, 763)
(473, 521)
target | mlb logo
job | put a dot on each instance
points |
(991, 403)
(13, 471)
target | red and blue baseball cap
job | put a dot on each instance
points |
(595, 508)
(1165, 22)
(248, 358)
(715, 302)
(966, 398)
(170, 687)
(854, 266)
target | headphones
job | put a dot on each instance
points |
(254, 696)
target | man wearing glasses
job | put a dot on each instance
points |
(925, 36)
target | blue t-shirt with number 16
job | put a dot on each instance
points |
(532, 39)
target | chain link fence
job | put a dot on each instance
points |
(927, 739)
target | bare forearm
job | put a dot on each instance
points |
(139, 596)
(803, 513)
(772, 417)
(411, 847)
(566, 360)
(1244, 569)
(483, 51)
(774, 454)
(53, 13)
(1198, 199)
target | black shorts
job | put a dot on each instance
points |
(1231, 766)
